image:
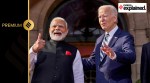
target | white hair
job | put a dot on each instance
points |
(59, 18)
(112, 8)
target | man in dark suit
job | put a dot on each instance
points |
(145, 63)
(114, 50)
(55, 61)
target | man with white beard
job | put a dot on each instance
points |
(55, 61)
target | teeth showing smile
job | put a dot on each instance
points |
(57, 33)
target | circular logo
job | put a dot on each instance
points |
(28, 24)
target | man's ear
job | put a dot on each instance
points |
(67, 31)
(115, 19)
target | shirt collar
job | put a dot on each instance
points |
(112, 32)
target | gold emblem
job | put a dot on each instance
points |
(28, 24)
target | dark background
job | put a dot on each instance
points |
(13, 42)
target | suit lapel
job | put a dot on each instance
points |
(103, 60)
(112, 42)
(114, 38)
(98, 47)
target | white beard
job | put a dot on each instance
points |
(56, 37)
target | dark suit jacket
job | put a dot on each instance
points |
(145, 63)
(113, 71)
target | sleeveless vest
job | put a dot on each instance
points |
(55, 63)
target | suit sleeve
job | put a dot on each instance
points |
(126, 53)
(144, 64)
(89, 62)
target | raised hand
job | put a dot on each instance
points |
(39, 44)
(108, 51)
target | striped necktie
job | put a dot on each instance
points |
(105, 40)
